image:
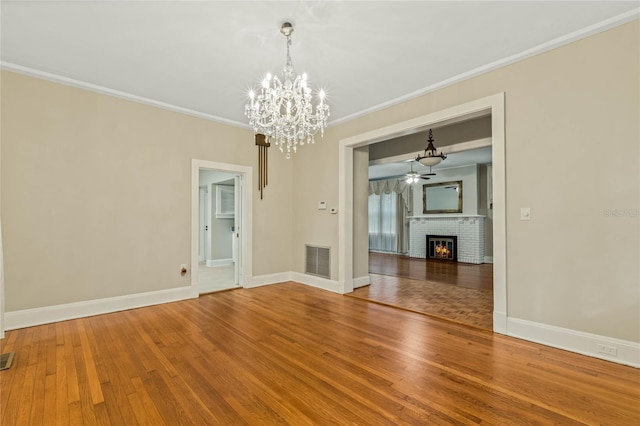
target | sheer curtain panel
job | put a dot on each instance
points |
(390, 201)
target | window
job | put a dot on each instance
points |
(225, 202)
(383, 233)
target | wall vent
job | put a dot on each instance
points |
(318, 261)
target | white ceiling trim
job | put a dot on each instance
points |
(560, 41)
(19, 69)
(615, 21)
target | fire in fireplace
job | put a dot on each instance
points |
(443, 247)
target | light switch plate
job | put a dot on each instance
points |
(525, 213)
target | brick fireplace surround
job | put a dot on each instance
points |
(468, 228)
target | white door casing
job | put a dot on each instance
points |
(243, 219)
(493, 105)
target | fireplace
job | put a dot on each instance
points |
(442, 247)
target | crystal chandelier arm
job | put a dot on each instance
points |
(283, 110)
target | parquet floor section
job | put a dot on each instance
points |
(463, 305)
(458, 292)
(293, 354)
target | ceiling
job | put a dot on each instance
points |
(458, 159)
(202, 57)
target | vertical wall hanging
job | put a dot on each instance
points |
(263, 175)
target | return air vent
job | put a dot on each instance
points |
(318, 261)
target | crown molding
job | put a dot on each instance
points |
(31, 72)
(536, 50)
(541, 48)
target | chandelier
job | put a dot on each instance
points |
(430, 156)
(283, 110)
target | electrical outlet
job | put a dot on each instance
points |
(608, 350)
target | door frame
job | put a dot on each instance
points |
(245, 226)
(202, 233)
(494, 105)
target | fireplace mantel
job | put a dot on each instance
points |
(440, 216)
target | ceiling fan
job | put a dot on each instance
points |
(413, 177)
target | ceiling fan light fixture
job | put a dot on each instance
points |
(430, 157)
(414, 177)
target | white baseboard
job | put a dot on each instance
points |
(361, 281)
(499, 322)
(313, 281)
(628, 353)
(48, 314)
(261, 280)
(219, 262)
(488, 259)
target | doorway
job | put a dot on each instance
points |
(414, 241)
(220, 226)
(493, 105)
(218, 246)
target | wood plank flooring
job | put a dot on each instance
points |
(460, 274)
(292, 354)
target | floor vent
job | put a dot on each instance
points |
(318, 261)
(5, 360)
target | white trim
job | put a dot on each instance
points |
(281, 277)
(361, 281)
(212, 263)
(49, 314)
(499, 321)
(31, 72)
(575, 341)
(2, 320)
(615, 21)
(318, 282)
(246, 219)
(488, 259)
(493, 104)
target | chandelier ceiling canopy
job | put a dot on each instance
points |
(283, 110)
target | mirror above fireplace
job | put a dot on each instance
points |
(444, 197)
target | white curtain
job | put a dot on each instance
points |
(390, 201)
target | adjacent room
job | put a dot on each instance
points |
(413, 198)
(319, 213)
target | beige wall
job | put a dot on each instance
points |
(96, 194)
(572, 150)
(95, 189)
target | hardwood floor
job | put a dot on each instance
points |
(293, 354)
(458, 292)
(465, 275)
